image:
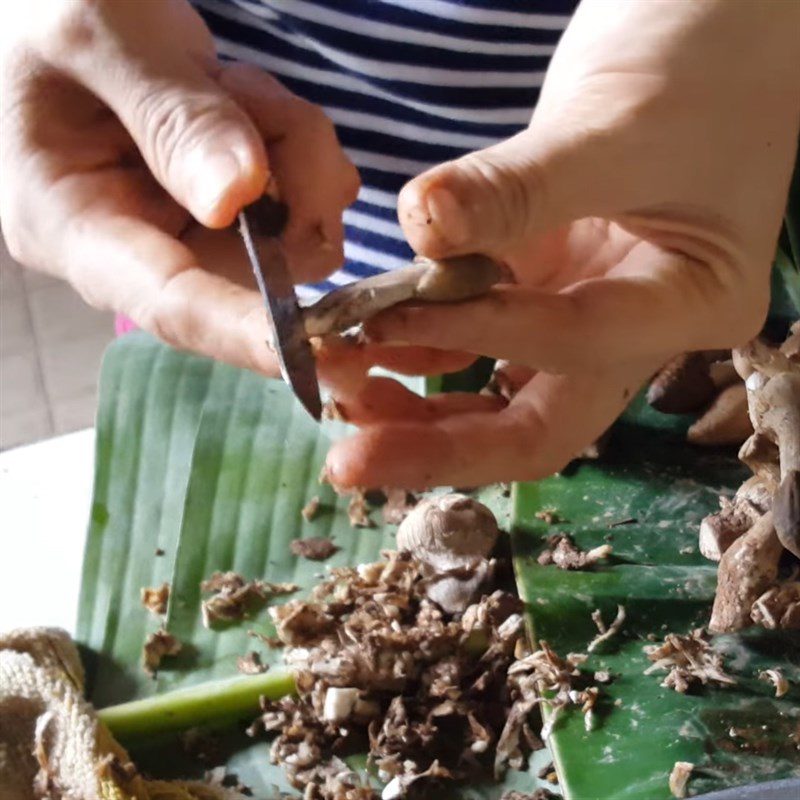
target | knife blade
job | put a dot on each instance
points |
(260, 225)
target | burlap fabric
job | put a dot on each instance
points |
(52, 744)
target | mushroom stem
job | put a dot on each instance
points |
(725, 421)
(447, 281)
(746, 570)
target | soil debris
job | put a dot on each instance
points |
(315, 548)
(310, 509)
(155, 599)
(540, 794)
(688, 659)
(234, 597)
(156, 646)
(564, 554)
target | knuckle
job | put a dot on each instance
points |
(509, 190)
(172, 120)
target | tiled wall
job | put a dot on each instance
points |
(51, 343)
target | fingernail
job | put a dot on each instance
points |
(448, 216)
(215, 173)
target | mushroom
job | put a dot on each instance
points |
(778, 412)
(746, 570)
(726, 420)
(719, 531)
(339, 703)
(772, 377)
(778, 607)
(447, 281)
(448, 531)
(684, 383)
(452, 536)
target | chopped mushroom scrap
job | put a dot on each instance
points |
(358, 512)
(604, 633)
(688, 659)
(251, 664)
(679, 777)
(315, 548)
(155, 599)
(310, 509)
(777, 679)
(439, 696)
(234, 597)
(564, 554)
(156, 646)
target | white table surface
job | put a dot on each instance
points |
(45, 499)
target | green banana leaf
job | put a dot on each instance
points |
(212, 466)
(209, 466)
(647, 499)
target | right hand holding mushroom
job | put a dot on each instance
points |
(638, 213)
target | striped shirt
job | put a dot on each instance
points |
(408, 84)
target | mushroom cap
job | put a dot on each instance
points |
(448, 530)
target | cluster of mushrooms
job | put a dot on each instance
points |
(748, 397)
(752, 398)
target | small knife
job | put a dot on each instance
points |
(261, 225)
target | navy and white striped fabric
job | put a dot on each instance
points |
(408, 84)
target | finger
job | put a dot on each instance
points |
(198, 143)
(158, 283)
(383, 399)
(485, 200)
(537, 434)
(595, 323)
(337, 353)
(315, 177)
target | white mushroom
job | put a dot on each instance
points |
(451, 535)
(448, 531)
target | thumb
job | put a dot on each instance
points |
(486, 200)
(198, 143)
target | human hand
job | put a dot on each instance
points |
(125, 140)
(638, 213)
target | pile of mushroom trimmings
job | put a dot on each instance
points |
(418, 657)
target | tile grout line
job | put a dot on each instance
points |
(38, 357)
